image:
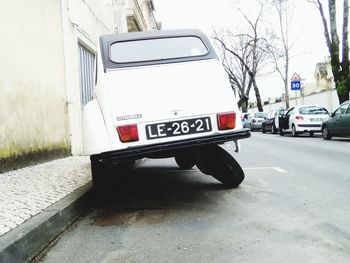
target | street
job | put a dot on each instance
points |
(293, 206)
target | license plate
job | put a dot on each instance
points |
(316, 119)
(178, 128)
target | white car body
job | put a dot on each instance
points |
(190, 92)
(303, 119)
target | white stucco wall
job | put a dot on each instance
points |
(328, 99)
(40, 108)
(33, 112)
(83, 22)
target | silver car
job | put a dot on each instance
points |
(256, 119)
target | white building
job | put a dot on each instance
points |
(46, 62)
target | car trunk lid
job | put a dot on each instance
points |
(163, 92)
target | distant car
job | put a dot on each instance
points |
(255, 120)
(161, 94)
(271, 123)
(245, 117)
(244, 121)
(303, 119)
(339, 122)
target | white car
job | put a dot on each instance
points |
(161, 94)
(303, 119)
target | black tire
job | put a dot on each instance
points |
(98, 170)
(104, 176)
(294, 132)
(185, 160)
(263, 130)
(312, 134)
(99, 173)
(221, 165)
(281, 132)
(325, 133)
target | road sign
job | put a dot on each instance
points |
(295, 82)
(295, 77)
(295, 85)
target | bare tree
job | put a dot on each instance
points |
(280, 46)
(340, 62)
(242, 56)
(235, 65)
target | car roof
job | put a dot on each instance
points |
(261, 112)
(152, 34)
(345, 102)
(107, 40)
(308, 105)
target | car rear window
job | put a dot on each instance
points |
(260, 115)
(157, 49)
(312, 110)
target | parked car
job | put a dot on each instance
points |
(303, 119)
(161, 94)
(245, 117)
(339, 122)
(256, 119)
(271, 123)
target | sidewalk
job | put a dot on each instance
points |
(38, 202)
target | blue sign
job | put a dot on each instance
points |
(295, 85)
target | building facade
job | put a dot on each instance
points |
(47, 67)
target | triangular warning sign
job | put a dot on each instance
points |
(296, 76)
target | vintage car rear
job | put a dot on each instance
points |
(158, 94)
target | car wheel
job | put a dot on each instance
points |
(263, 129)
(325, 133)
(220, 164)
(273, 129)
(185, 161)
(311, 134)
(281, 132)
(294, 132)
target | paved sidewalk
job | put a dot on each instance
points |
(27, 193)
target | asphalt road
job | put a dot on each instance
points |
(293, 206)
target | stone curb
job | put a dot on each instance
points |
(27, 240)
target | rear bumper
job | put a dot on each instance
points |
(309, 127)
(171, 147)
(257, 125)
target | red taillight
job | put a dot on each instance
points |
(300, 118)
(226, 121)
(128, 133)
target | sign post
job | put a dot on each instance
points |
(295, 84)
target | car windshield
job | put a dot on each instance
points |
(260, 115)
(157, 49)
(312, 110)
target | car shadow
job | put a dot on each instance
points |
(303, 135)
(341, 139)
(156, 188)
(317, 136)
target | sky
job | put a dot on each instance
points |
(306, 31)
